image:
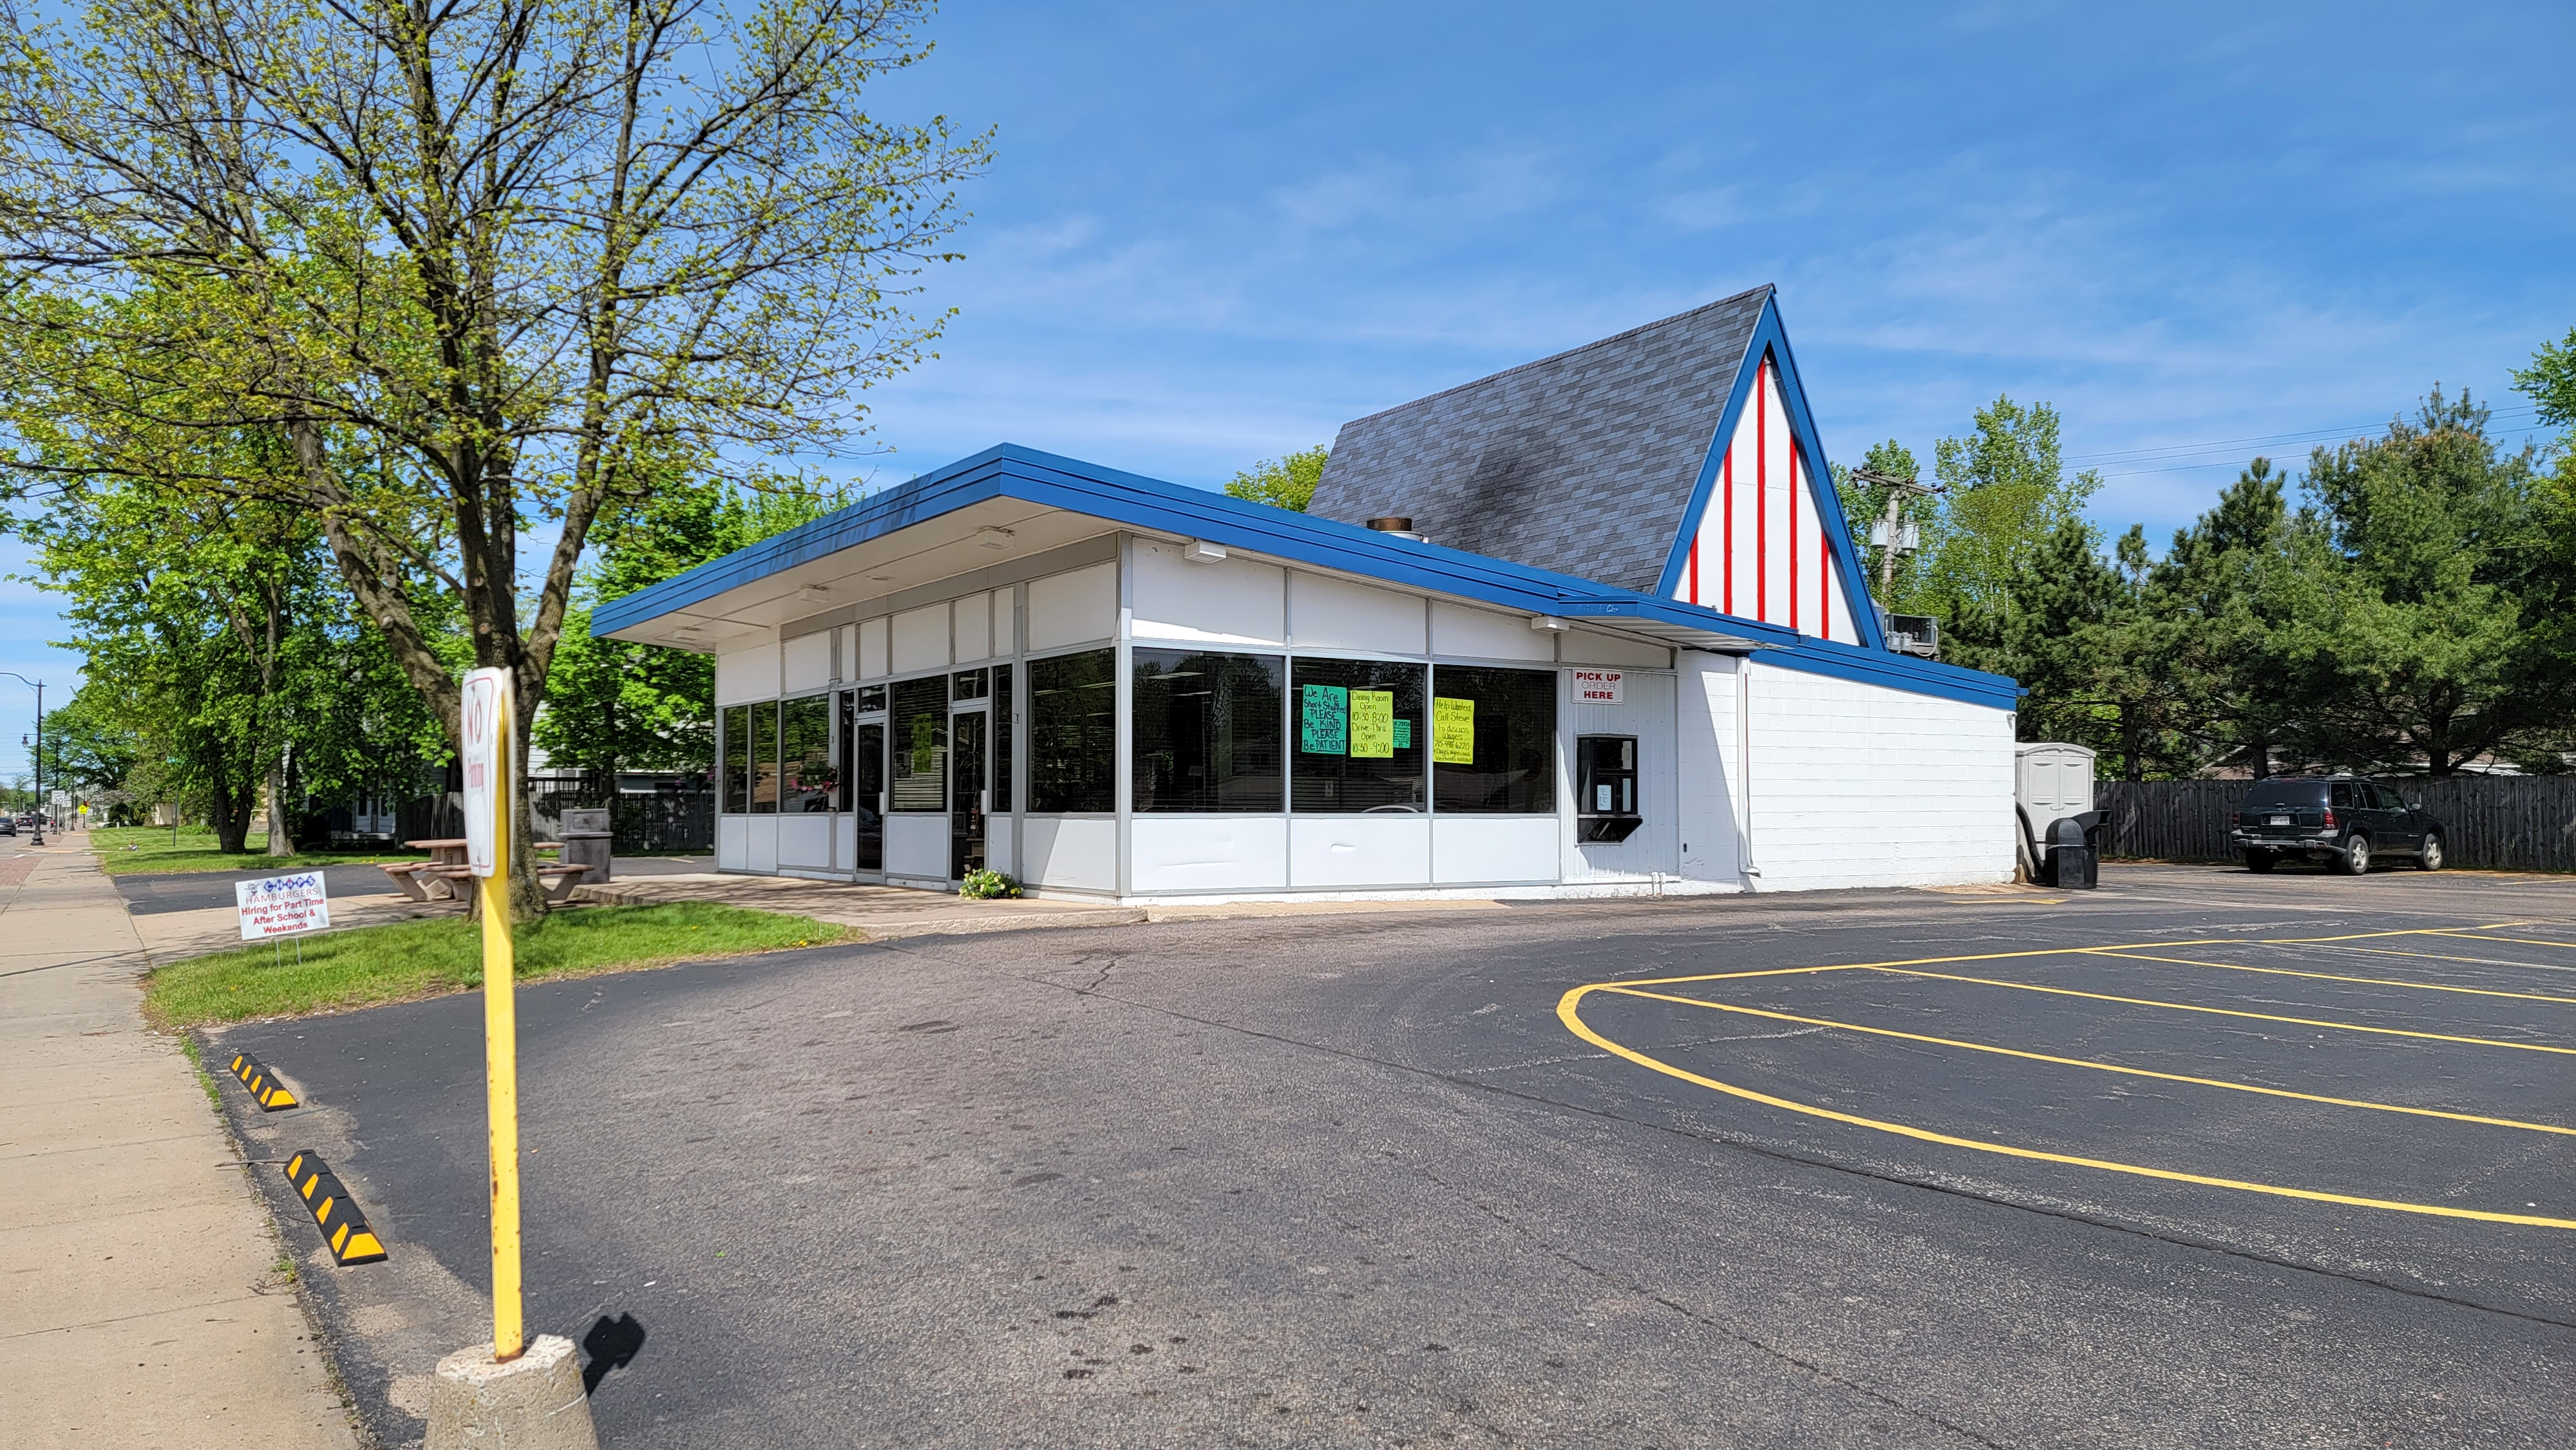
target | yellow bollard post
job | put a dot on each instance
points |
(490, 775)
(501, 1074)
(513, 1391)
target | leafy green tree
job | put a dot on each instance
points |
(2229, 590)
(614, 705)
(2004, 495)
(2411, 641)
(479, 266)
(2546, 662)
(1287, 481)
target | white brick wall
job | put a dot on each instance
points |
(1859, 785)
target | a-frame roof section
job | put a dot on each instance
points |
(1769, 339)
(1583, 463)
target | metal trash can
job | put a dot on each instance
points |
(585, 842)
(2072, 865)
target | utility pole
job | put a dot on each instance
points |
(1893, 536)
(40, 750)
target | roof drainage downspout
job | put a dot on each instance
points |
(1744, 762)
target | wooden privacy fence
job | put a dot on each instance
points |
(2501, 822)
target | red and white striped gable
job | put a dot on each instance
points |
(1763, 548)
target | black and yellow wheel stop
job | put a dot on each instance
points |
(265, 1089)
(343, 1227)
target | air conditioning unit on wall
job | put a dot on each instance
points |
(1914, 634)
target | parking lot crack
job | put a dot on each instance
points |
(1666, 1301)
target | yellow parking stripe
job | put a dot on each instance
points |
(2216, 1082)
(2236, 1012)
(2465, 932)
(2446, 957)
(2331, 976)
(2215, 941)
(1567, 1012)
(2369, 935)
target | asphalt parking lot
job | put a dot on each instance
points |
(2198, 1159)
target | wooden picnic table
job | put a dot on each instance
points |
(444, 876)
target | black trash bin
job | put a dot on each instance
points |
(585, 842)
(2071, 862)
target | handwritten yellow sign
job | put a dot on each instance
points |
(1373, 724)
(1453, 731)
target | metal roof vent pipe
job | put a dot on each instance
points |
(1398, 525)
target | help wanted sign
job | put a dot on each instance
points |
(282, 905)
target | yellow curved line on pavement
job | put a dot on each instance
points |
(2216, 1082)
(1567, 1013)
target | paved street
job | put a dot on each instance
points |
(2199, 1159)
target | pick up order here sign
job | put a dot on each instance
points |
(1598, 687)
(282, 905)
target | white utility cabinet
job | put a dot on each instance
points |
(2052, 781)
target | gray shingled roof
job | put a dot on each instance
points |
(1581, 463)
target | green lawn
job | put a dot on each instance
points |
(407, 959)
(128, 850)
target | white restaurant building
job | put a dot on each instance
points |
(1591, 626)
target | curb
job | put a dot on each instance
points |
(612, 894)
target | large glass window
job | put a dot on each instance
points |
(1493, 745)
(920, 731)
(737, 760)
(764, 758)
(808, 783)
(1073, 732)
(1002, 722)
(1207, 731)
(1359, 736)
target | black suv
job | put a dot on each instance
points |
(2341, 819)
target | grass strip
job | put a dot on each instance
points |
(404, 960)
(155, 850)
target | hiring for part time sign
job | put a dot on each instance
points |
(282, 905)
(1598, 687)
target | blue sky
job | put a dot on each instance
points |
(1214, 234)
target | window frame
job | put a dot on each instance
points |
(1548, 753)
(1106, 784)
(1418, 751)
(1207, 800)
(898, 752)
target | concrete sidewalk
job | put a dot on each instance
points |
(889, 912)
(143, 1300)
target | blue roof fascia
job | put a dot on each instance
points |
(1150, 503)
(1771, 339)
(1778, 645)
(927, 497)
(1910, 673)
(1126, 498)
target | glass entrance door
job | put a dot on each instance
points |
(861, 752)
(970, 796)
(867, 792)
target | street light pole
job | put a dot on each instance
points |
(40, 749)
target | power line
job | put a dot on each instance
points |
(2176, 450)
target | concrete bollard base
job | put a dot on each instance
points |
(534, 1402)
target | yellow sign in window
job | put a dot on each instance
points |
(1453, 731)
(1373, 724)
